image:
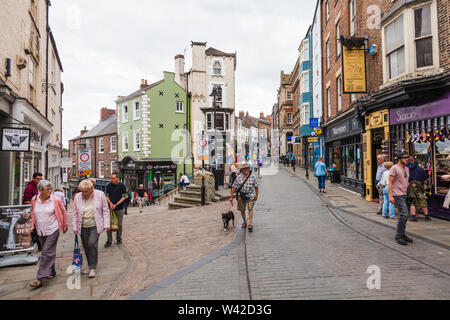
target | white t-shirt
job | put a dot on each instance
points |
(184, 179)
(385, 179)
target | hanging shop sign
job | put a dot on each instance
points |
(312, 140)
(84, 162)
(354, 65)
(424, 111)
(15, 229)
(15, 139)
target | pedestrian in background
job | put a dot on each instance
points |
(141, 197)
(31, 191)
(384, 186)
(320, 171)
(234, 173)
(90, 218)
(293, 161)
(246, 188)
(60, 194)
(398, 186)
(381, 169)
(417, 175)
(50, 219)
(126, 204)
(184, 181)
(116, 194)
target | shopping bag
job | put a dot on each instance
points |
(114, 221)
(77, 261)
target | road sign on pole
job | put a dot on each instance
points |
(84, 162)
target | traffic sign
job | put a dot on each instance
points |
(313, 133)
(314, 122)
(318, 131)
(84, 162)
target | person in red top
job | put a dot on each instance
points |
(31, 190)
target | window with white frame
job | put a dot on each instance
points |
(289, 95)
(395, 47)
(306, 50)
(423, 37)
(304, 114)
(217, 69)
(113, 144)
(338, 41)
(114, 167)
(327, 8)
(137, 141)
(339, 92)
(125, 113)
(305, 82)
(289, 117)
(125, 141)
(328, 54)
(26, 172)
(137, 110)
(74, 149)
(101, 169)
(329, 101)
(180, 106)
(101, 145)
(352, 5)
(31, 72)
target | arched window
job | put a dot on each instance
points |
(217, 68)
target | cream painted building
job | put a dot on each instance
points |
(27, 99)
(211, 68)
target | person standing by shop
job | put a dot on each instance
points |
(246, 186)
(380, 171)
(417, 177)
(320, 171)
(398, 187)
(90, 217)
(116, 194)
(384, 186)
(142, 195)
(50, 219)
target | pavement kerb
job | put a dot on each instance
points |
(325, 200)
(143, 295)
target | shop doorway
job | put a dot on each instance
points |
(377, 142)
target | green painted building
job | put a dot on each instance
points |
(153, 142)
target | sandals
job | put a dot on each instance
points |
(36, 284)
(250, 228)
(244, 226)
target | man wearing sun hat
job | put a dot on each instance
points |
(246, 187)
(398, 186)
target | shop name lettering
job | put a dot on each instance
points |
(406, 116)
(339, 130)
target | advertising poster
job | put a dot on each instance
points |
(15, 229)
(354, 69)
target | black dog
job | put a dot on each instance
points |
(226, 217)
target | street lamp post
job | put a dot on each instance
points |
(203, 174)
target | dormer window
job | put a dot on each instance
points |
(217, 69)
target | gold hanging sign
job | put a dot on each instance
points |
(353, 66)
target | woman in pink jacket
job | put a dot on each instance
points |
(50, 219)
(90, 217)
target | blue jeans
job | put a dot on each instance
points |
(182, 184)
(387, 204)
(321, 181)
(403, 212)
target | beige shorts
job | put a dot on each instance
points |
(243, 204)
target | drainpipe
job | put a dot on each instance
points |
(47, 28)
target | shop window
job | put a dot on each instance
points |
(420, 152)
(350, 156)
(442, 165)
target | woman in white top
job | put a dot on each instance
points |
(384, 184)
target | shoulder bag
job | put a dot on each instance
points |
(242, 195)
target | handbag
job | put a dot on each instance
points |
(243, 196)
(114, 221)
(77, 261)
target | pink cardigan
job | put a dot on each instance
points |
(101, 212)
(60, 213)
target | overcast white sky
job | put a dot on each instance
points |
(107, 46)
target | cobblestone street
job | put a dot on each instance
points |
(302, 250)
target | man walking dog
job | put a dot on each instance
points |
(246, 188)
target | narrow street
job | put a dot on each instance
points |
(302, 250)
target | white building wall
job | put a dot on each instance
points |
(317, 66)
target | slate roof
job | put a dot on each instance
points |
(139, 92)
(106, 127)
(214, 52)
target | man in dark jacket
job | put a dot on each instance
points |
(416, 172)
(31, 190)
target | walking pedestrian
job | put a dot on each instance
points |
(31, 191)
(320, 171)
(417, 201)
(293, 161)
(50, 219)
(384, 186)
(90, 217)
(60, 194)
(141, 197)
(126, 204)
(398, 186)
(246, 189)
(116, 194)
(381, 169)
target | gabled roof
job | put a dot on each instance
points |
(139, 92)
(106, 127)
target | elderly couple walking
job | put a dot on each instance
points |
(90, 218)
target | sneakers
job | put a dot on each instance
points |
(401, 241)
(108, 244)
(427, 218)
(92, 274)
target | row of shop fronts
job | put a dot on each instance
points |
(417, 123)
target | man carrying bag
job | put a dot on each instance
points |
(246, 189)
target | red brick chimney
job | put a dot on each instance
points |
(261, 115)
(105, 113)
(83, 131)
(144, 83)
